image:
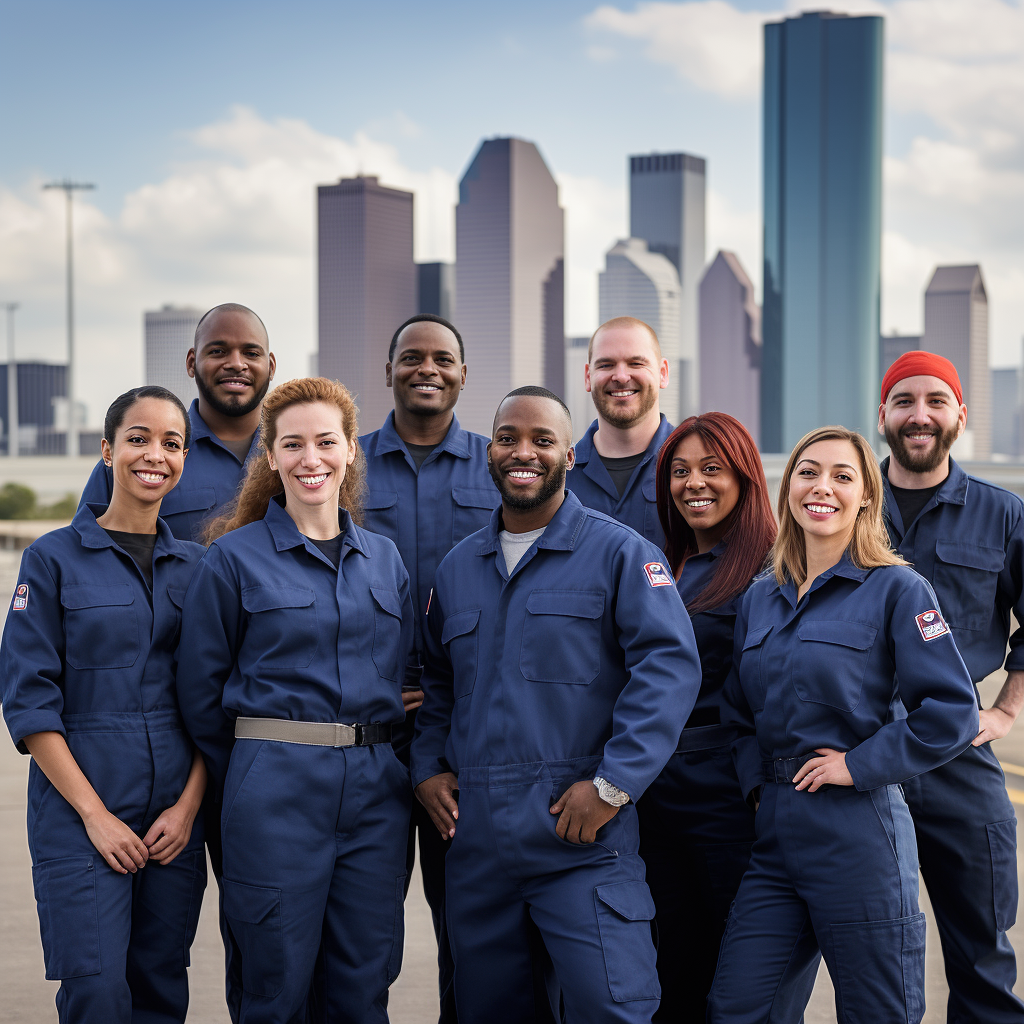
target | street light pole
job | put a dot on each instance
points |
(12, 384)
(69, 188)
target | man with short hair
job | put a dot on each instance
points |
(561, 667)
(617, 457)
(233, 366)
(427, 488)
(966, 537)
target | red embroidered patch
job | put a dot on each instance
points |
(931, 624)
(657, 575)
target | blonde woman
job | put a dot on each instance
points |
(846, 681)
(295, 636)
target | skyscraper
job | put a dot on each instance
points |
(956, 326)
(367, 286)
(169, 333)
(643, 284)
(891, 347)
(1006, 409)
(822, 224)
(730, 343)
(435, 289)
(509, 274)
(42, 397)
(666, 209)
(577, 397)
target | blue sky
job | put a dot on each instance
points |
(206, 127)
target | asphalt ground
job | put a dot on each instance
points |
(27, 998)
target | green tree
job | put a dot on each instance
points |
(17, 502)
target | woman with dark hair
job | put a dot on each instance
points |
(88, 665)
(695, 827)
(295, 636)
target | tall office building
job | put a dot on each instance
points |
(169, 333)
(577, 397)
(367, 286)
(1006, 411)
(42, 407)
(730, 343)
(509, 277)
(956, 326)
(891, 347)
(822, 225)
(666, 209)
(435, 289)
(643, 284)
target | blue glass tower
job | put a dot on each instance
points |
(822, 225)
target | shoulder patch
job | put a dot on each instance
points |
(20, 598)
(931, 624)
(658, 575)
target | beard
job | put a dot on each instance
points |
(235, 405)
(920, 462)
(623, 418)
(554, 483)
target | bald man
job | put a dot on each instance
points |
(233, 366)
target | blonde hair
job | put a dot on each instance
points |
(869, 547)
(626, 321)
(262, 483)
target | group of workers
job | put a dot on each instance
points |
(662, 748)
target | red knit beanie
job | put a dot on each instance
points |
(922, 364)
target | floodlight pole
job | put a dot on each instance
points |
(12, 384)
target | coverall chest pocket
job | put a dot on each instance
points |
(282, 631)
(177, 599)
(562, 636)
(380, 512)
(832, 662)
(965, 582)
(753, 677)
(652, 524)
(471, 510)
(101, 628)
(387, 632)
(461, 638)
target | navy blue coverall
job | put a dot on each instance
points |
(696, 829)
(968, 541)
(839, 864)
(426, 511)
(591, 483)
(582, 663)
(208, 482)
(89, 652)
(314, 837)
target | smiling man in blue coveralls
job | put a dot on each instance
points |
(617, 457)
(427, 487)
(561, 667)
(966, 537)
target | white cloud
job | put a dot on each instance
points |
(734, 230)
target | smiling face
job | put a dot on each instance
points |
(427, 372)
(826, 490)
(148, 450)
(921, 419)
(311, 453)
(624, 374)
(704, 488)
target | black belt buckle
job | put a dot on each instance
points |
(359, 735)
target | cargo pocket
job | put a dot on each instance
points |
(398, 940)
(625, 911)
(879, 969)
(254, 914)
(68, 919)
(1002, 847)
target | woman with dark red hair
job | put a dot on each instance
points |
(696, 829)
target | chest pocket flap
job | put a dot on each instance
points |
(578, 604)
(561, 636)
(177, 596)
(858, 635)
(96, 595)
(387, 600)
(650, 489)
(459, 624)
(755, 637)
(194, 499)
(973, 556)
(265, 599)
(380, 499)
(476, 497)
(91, 642)
(460, 630)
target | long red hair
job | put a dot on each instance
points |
(752, 529)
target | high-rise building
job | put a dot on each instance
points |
(577, 397)
(435, 289)
(822, 225)
(956, 326)
(42, 407)
(666, 209)
(643, 284)
(367, 286)
(169, 333)
(730, 343)
(509, 277)
(1006, 411)
(891, 347)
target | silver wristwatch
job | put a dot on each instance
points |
(610, 794)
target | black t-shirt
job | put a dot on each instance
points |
(910, 501)
(620, 470)
(140, 546)
(331, 548)
(419, 452)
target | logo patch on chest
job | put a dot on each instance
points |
(657, 575)
(20, 598)
(932, 625)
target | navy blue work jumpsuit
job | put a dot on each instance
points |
(968, 542)
(582, 663)
(839, 864)
(696, 829)
(426, 511)
(314, 837)
(89, 652)
(638, 507)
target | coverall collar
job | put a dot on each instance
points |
(201, 430)
(952, 491)
(455, 441)
(286, 534)
(844, 567)
(559, 535)
(588, 461)
(94, 536)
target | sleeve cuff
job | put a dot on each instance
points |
(27, 723)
